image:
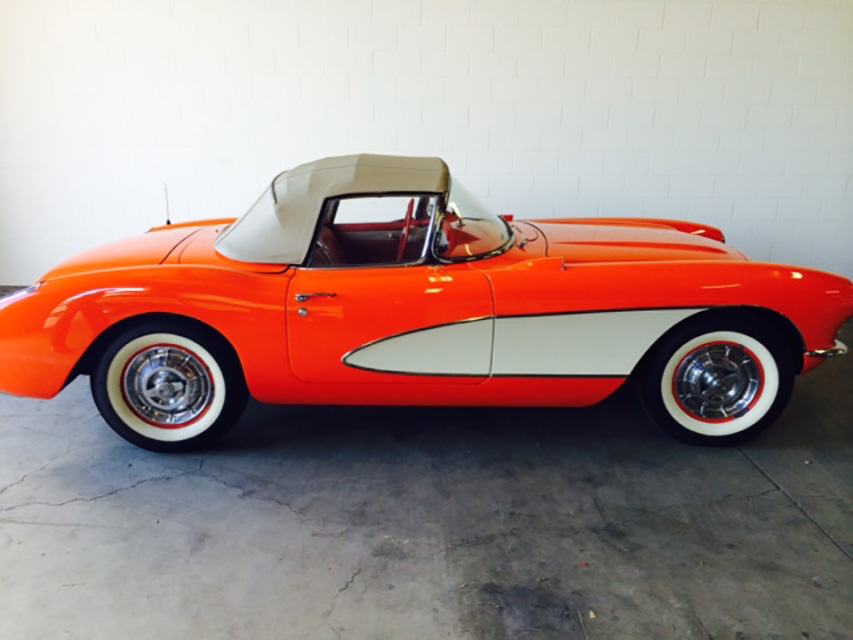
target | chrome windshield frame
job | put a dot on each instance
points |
(439, 220)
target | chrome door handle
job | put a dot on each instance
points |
(304, 297)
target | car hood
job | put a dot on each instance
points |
(626, 242)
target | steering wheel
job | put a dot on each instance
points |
(404, 234)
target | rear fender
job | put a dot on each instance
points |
(49, 333)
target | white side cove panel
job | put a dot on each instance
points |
(608, 343)
(460, 349)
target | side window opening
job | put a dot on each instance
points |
(373, 230)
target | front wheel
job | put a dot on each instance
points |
(718, 383)
(169, 386)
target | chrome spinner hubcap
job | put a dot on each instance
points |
(167, 386)
(719, 381)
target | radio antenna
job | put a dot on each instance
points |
(168, 217)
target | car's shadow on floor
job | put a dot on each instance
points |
(264, 426)
(819, 415)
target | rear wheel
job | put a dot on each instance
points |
(169, 386)
(718, 381)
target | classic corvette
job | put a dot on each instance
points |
(377, 280)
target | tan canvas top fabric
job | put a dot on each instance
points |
(279, 228)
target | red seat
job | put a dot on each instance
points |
(327, 249)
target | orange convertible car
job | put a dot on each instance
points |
(375, 280)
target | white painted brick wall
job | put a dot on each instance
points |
(739, 114)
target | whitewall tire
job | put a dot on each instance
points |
(169, 386)
(718, 380)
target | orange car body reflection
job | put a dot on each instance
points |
(292, 352)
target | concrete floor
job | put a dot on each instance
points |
(386, 523)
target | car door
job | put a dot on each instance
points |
(394, 324)
(396, 320)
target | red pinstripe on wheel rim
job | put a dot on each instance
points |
(718, 378)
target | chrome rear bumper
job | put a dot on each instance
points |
(839, 349)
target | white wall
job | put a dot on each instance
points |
(737, 113)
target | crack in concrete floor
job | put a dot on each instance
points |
(660, 540)
(101, 496)
(796, 503)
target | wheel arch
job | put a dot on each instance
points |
(786, 329)
(87, 362)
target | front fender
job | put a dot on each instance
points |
(816, 304)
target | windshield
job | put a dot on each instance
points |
(469, 229)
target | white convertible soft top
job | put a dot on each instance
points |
(278, 229)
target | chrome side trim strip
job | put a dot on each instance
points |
(839, 349)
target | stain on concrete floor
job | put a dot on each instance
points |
(318, 522)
